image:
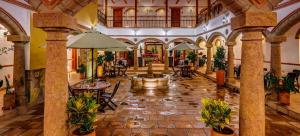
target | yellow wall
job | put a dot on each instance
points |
(37, 47)
(87, 16)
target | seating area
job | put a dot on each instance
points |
(149, 68)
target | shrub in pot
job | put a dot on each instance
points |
(82, 70)
(192, 57)
(109, 57)
(216, 114)
(202, 62)
(286, 86)
(100, 61)
(219, 64)
(9, 97)
(82, 114)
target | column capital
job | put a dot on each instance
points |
(18, 38)
(276, 38)
(230, 44)
(253, 19)
(208, 45)
(54, 21)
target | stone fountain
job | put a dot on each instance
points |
(150, 80)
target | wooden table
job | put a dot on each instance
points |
(98, 86)
(184, 70)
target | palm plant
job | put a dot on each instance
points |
(219, 58)
(216, 114)
(100, 59)
(192, 57)
(82, 112)
(109, 56)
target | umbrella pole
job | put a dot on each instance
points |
(92, 64)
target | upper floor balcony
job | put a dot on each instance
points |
(119, 19)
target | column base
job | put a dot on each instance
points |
(208, 72)
(231, 80)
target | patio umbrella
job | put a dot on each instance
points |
(94, 40)
(186, 46)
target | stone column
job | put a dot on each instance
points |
(252, 96)
(230, 69)
(19, 69)
(135, 58)
(276, 54)
(57, 25)
(209, 55)
(166, 59)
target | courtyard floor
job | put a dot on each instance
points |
(171, 112)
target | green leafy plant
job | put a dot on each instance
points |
(192, 57)
(219, 58)
(82, 112)
(216, 114)
(286, 84)
(100, 59)
(109, 56)
(7, 86)
(81, 68)
(202, 62)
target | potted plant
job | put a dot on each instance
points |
(219, 64)
(216, 114)
(109, 57)
(9, 96)
(285, 87)
(100, 61)
(82, 70)
(82, 114)
(202, 61)
(192, 57)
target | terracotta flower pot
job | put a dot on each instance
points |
(82, 75)
(99, 71)
(93, 133)
(229, 130)
(284, 98)
(220, 76)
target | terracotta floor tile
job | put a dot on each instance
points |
(177, 132)
(121, 132)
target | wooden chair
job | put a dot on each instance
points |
(71, 91)
(123, 71)
(107, 97)
(175, 71)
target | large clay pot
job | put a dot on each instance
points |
(220, 75)
(215, 133)
(99, 71)
(89, 134)
(284, 98)
(82, 75)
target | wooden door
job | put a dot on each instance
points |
(118, 17)
(74, 59)
(175, 17)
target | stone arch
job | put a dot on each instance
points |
(199, 39)
(153, 39)
(184, 39)
(11, 24)
(214, 35)
(234, 34)
(288, 22)
(126, 41)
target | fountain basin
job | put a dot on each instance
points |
(150, 81)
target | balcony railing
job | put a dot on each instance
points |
(149, 22)
(161, 21)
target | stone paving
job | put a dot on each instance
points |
(171, 112)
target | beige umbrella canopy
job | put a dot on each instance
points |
(186, 46)
(94, 40)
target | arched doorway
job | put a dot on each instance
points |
(151, 45)
(178, 54)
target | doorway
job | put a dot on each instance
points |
(118, 17)
(175, 17)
